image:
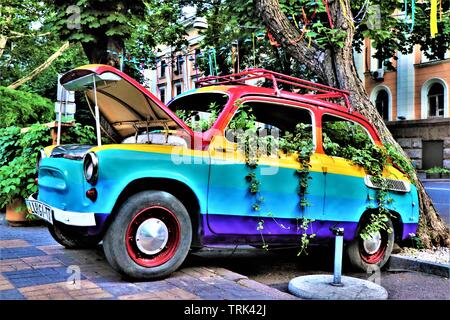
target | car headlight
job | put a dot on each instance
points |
(41, 155)
(90, 167)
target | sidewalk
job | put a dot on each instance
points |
(33, 266)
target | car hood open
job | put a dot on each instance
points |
(125, 106)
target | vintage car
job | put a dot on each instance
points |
(163, 188)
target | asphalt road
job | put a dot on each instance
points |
(440, 194)
(276, 268)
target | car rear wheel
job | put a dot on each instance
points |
(71, 238)
(150, 237)
(372, 253)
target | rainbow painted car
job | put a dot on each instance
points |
(166, 187)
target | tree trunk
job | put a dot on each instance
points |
(3, 40)
(335, 67)
(106, 50)
(41, 68)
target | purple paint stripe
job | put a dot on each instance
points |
(219, 227)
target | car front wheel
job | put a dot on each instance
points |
(70, 238)
(373, 253)
(150, 237)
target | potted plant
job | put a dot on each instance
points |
(445, 174)
(438, 173)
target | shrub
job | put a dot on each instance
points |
(20, 108)
(18, 153)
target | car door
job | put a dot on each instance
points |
(231, 207)
(346, 194)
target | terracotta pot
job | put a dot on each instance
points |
(13, 215)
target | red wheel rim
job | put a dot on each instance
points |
(173, 226)
(378, 255)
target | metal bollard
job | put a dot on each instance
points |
(339, 244)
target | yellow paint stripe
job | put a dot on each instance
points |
(319, 162)
(48, 150)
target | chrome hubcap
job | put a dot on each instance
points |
(373, 244)
(152, 236)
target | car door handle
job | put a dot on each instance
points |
(224, 150)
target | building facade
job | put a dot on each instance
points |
(177, 71)
(414, 101)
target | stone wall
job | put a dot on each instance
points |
(410, 134)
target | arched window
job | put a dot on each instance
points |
(382, 103)
(436, 100)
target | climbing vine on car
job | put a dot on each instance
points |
(298, 144)
(354, 144)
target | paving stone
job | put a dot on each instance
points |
(10, 253)
(12, 294)
(227, 274)
(33, 266)
(14, 243)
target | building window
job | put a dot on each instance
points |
(162, 94)
(436, 100)
(382, 104)
(178, 88)
(162, 69)
(178, 67)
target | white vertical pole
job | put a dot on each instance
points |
(58, 134)
(97, 115)
(339, 244)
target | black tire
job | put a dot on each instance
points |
(366, 261)
(70, 238)
(121, 240)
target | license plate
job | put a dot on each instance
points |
(40, 209)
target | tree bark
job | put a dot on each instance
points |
(334, 66)
(3, 40)
(41, 68)
(105, 50)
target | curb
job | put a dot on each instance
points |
(398, 262)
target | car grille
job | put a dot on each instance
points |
(390, 184)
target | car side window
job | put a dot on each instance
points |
(339, 136)
(270, 119)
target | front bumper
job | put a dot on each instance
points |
(80, 219)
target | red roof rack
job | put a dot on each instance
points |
(322, 91)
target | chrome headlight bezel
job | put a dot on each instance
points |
(90, 167)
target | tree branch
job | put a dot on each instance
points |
(289, 36)
(40, 68)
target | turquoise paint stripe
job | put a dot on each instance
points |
(117, 168)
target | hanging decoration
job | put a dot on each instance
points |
(345, 13)
(327, 9)
(361, 15)
(433, 18)
(212, 62)
(413, 12)
(272, 40)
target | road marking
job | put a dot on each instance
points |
(442, 189)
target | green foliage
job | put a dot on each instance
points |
(80, 134)
(21, 108)
(200, 125)
(18, 168)
(9, 138)
(416, 242)
(400, 161)
(18, 154)
(438, 170)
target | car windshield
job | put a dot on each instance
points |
(199, 110)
